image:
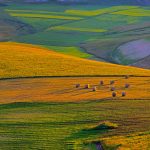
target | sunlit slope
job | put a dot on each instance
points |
(22, 60)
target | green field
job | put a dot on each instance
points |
(74, 51)
(55, 24)
(62, 125)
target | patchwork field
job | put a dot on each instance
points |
(37, 121)
(55, 24)
(52, 101)
(38, 113)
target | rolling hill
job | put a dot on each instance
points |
(108, 2)
(22, 60)
(11, 27)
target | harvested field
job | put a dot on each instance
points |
(64, 89)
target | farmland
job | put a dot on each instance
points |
(63, 89)
(39, 112)
(62, 82)
(55, 24)
(36, 121)
(29, 61)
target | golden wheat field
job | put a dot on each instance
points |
(64, 89)
(136, 141)
(24, 60)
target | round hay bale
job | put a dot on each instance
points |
(87, 86)
(77, 85)
(101, 82)
(112, 89)
(94, 89)
(114, 94)
(126, 76)
(123, 94)
(127, 85)
(112, 82)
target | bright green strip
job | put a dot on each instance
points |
(139, 12)
(74, 51)
(44, 16)
(99, 11)
(77, 29)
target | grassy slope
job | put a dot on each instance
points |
(26, 60)
(60, 126)
(96, 22)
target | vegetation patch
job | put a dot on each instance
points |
(44, 16)
(73, 51)
(105, 125)
(137, 12)
(76, 29)
(25, 60)
(133, 141)
(99, 11)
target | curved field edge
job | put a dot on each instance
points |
(25, 60)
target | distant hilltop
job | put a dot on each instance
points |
(102, 2)
(109, 2)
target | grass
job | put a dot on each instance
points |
(137, 12)
(94, 23)
(57, 38)
(73, 51)
(60, 125)
(41, 25)
(63, 28)
(25, 60)
(101, 11)
(44, 16)
(136, 141)
(26, 123)
(105, 125)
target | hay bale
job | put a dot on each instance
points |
(77, 85)
(123, 94)
(112, 82)
(126, 76)
(94, 89)
(101, 82)
(112, 89)
(114, 94)
(87, 86)
(127, 85)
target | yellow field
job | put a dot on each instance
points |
(99, 11)
(139, 12)
(140, 141)
(44, 16)
(33, 11)
(76, 29)
(64, 90)
(23, 60)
